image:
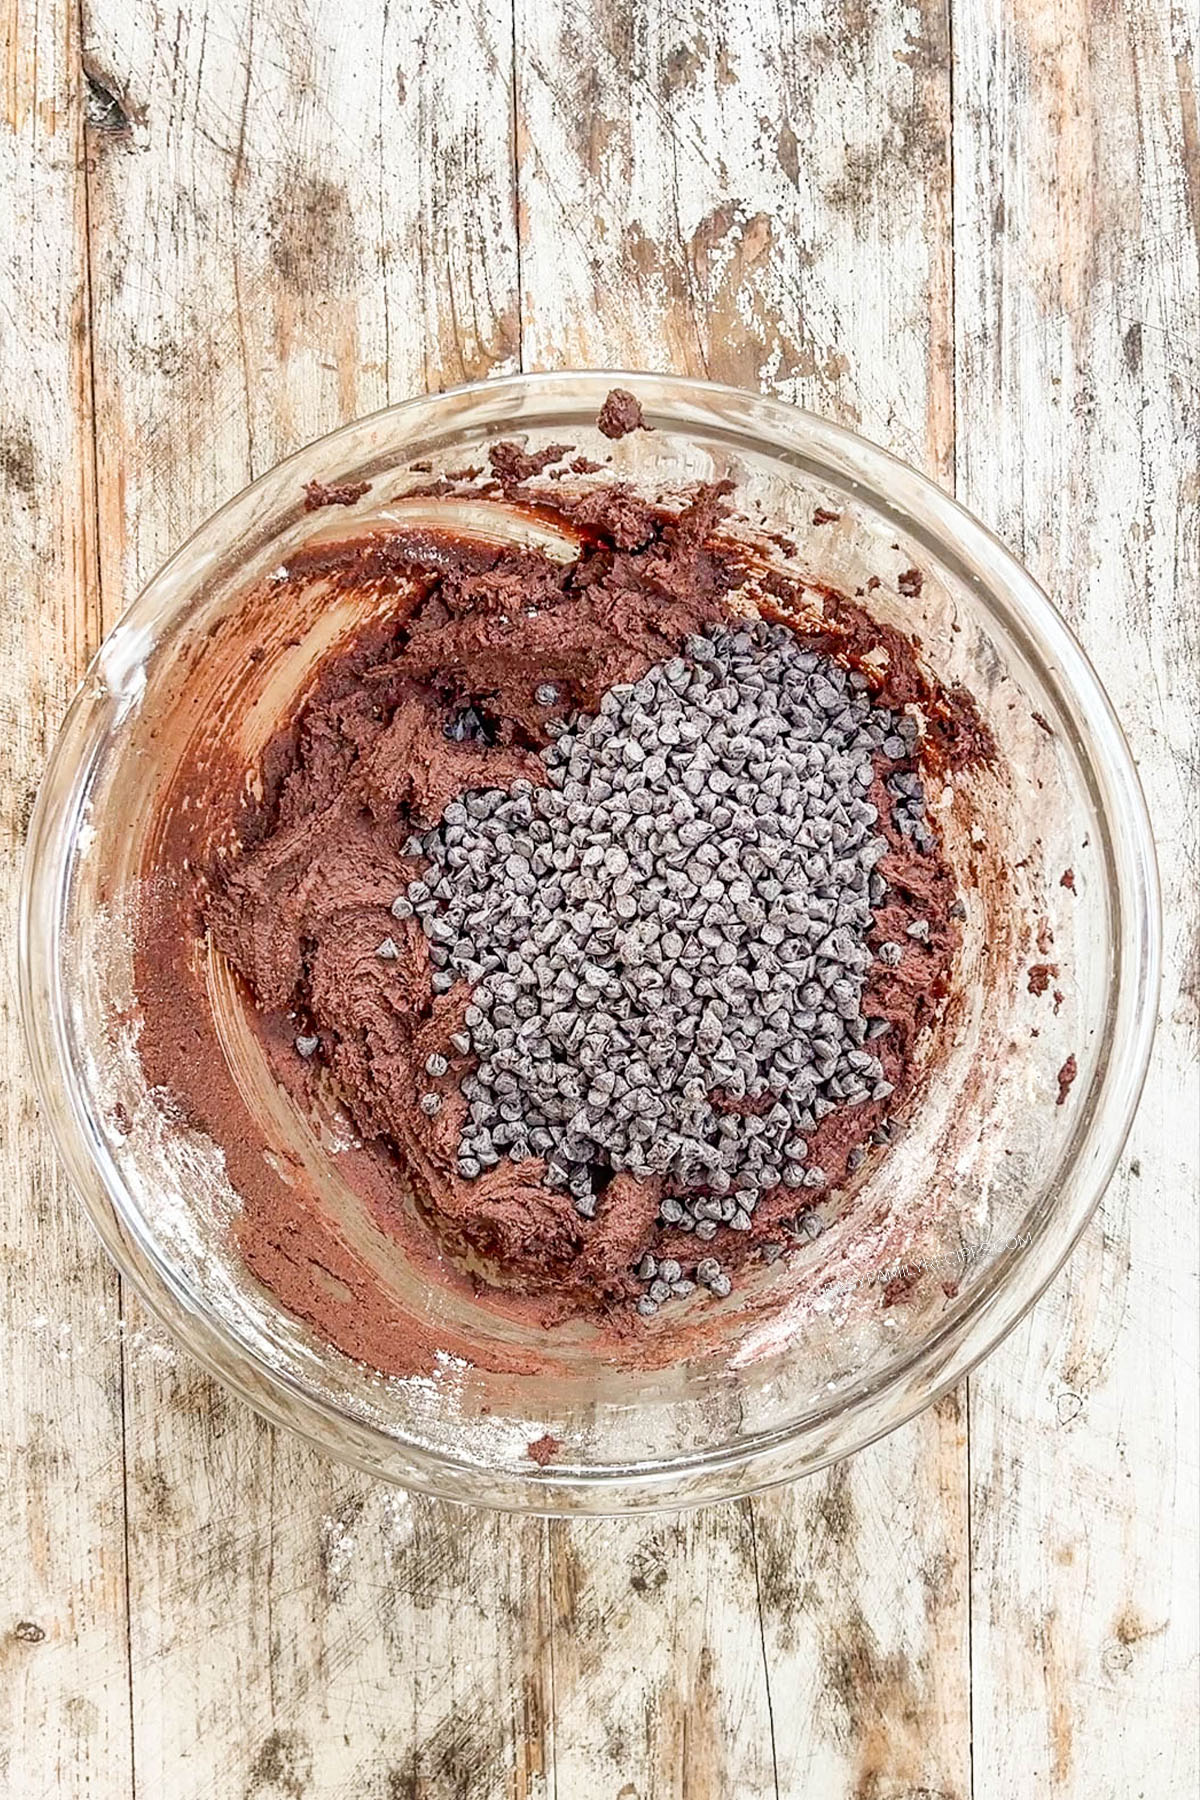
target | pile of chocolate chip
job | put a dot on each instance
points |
(667, 943)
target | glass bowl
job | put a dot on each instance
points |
(945, 1242)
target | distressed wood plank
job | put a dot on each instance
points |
(290, 228)
(759, 194)
(301, 1631)
(754, 192)
(659, 1684)
(64, 1700)
(1078, 308)
(865, 1587)
(295, 220)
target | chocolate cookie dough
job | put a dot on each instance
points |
(620, 414)
(611, 916)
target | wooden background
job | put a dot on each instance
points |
(966, 227)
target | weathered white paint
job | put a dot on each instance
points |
(64, 1680)
(293, 216)
(1077, 300)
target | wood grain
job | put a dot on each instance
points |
(971, 232)
(752, 191)
(659, 1667)
(64, 1686)
(1078, 304)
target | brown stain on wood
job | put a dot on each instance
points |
(787, 153)
(465, 1755)
(282, 1768)
(731, 285)
(1051, 44)
(1189, 131)
(913, 140)
(313, 237)
(535, 1725)
(568, 1571)
(883, 1700)
(648, 1565)
(157, 1497)
(835, 1508)
(689, 1724)
(191, 1391)
(18, 460)
(683, 64)
(1130, 1628)
(1059, 1686)
(596, 135)
(888, 1685)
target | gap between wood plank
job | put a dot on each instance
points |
(514, 103)
(89, 350)
(762, 1638)
(954, 490)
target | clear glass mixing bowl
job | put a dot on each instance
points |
(949, 1238)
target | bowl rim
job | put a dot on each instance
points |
(958, 1343)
